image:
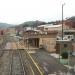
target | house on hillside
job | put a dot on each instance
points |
(70, 23)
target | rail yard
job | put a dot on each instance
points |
(17, 59)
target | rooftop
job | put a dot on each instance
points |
(49, 25)
(69, 30)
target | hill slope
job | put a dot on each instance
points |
(5, 25)
(32, 23)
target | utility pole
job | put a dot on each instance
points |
(62, 39)
(62, 28)
(62, 19)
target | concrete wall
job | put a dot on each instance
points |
(73, 44)
(48, 43)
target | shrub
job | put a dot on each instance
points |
(64, 55)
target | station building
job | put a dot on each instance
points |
(37, 38)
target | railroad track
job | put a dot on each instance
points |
(27, 70)
(11, 62)
(1, 53)
(16, 63)
(16, 66)
(27, 63)
(37, 70)
(22, 63)
(29, 66)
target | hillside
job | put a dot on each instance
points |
(5, 25)
(32, 23)
(72, 19)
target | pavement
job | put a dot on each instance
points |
(54, 55)
(71, 65)
(48, 63)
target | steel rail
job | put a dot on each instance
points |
(1, 53)
(27, 63)
(36, 65)
(21, 60)
(11, 62)
(22, 63)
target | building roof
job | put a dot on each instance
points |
(63, 41)
(69, 30)
(53, 26)
(32, 30)
(52, 31)
(50, 26)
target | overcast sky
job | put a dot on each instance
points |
(18, 11)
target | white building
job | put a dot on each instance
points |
(49, 27)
